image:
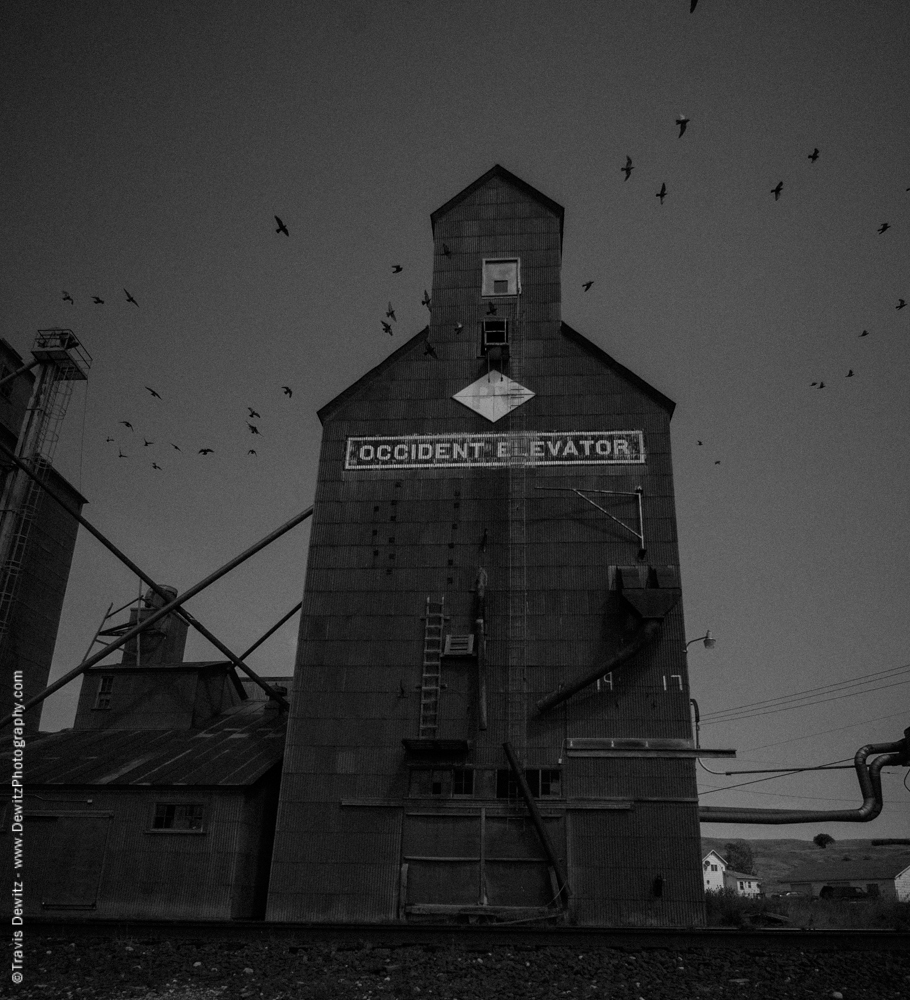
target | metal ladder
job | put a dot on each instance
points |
(516, 694)
(430, 683)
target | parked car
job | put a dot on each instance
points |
(844, 893)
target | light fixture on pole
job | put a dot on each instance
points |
(707, 638)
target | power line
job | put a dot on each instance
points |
(755, 781)
(824, 732)
(799, 695)
(803, 704)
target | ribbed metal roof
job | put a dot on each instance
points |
(875, 870)
(237, 749)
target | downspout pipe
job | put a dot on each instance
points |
(649, 628)
(537, 820)
(870, 784)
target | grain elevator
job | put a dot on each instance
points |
(490, 715)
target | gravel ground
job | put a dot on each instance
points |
(115, 969)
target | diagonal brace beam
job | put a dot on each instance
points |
(182, 612)
(166, 610)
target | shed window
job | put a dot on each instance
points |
(501, 276)
(543, 782)
(177, 816)
(105, 689)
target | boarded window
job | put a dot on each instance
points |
(105, 689)
(501, 276)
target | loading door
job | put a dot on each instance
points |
(64, 855)
(477, 863)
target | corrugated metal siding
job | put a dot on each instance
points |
(383, 541)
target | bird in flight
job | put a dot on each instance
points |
(152, 391)
(97, 301)
(282, 228)
(108, 438)
(662, 193)
(425, 301)
(682, 122)
(206, 451)
(175, 447)
(156, 466)
(129, 298)
(252, 451)
(849, 374)
(397, 269)
(777, 190)
(884, 227)
(67, 297)
(125, 423)
(699, 442)
(491, 310)
(147, 443)
(865, 333)
(458, 328)
(253, 429)
(900, 304)
(287, 391)
(428, 349)
(253, 413)
(717, 462)
(387, 327)
(120, 453)
(628, 168)
(446, 252)
(587, 285)
(813, 156)
(390, 313)
(693, 4)
(821, 385)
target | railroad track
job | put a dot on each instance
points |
(482, 937)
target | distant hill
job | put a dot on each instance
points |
(775, 859)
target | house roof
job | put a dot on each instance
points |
(874, 870)
(729, 873)
(509, 178)
(236, 750)
(716, 855)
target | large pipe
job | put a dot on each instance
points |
(647, 632)
(870, 784)
(166, 610)
(182, 612)
(537, 820)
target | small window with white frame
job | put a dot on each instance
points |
(105, 690)
(501, 276)
(178, 817)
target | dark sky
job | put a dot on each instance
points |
(148, 146)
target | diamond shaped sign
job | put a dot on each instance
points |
(493, 395)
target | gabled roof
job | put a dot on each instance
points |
(874, 870)
(716, 855)
(509, 178)
(663, 401)
(235, 750)
(347, 394)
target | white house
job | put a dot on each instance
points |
(878, 878)
(713, 868)
(717, 875)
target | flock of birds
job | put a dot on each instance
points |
(252, 415)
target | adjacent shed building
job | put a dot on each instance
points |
(878, 878)
(493, 571)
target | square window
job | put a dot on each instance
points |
(177, 816)
(549, 782)
(506, 785)
(105, 689)
(501, 276)
(494, 333)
